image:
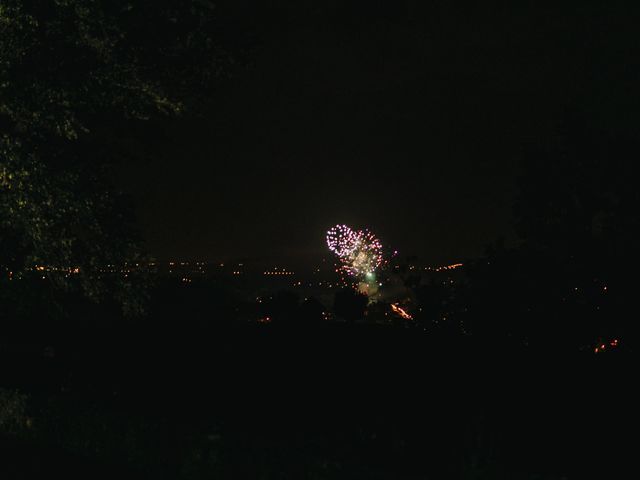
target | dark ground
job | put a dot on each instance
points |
(332, 402)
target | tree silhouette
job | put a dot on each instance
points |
(282, 308)
(350, 305)
(570, 279)
(71, 72)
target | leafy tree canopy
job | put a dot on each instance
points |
(71, 71)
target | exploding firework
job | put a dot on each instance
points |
(359, 252)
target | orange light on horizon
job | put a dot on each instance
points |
(401, 311)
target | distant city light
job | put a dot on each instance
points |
(445, 267)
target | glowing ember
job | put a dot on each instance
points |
(401, 311)
(602, 347)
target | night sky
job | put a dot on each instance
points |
(404, 118)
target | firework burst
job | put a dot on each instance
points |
(359, 252)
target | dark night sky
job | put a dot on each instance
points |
(405, 118)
